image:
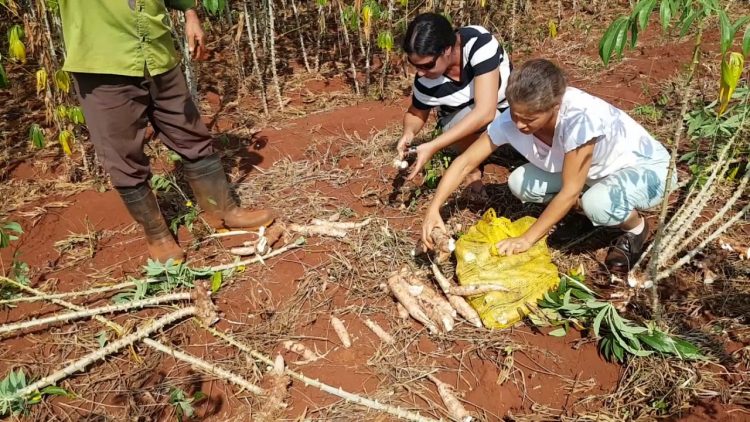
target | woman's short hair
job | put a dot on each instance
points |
(429, 34)
(538, 84)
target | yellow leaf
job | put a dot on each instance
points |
(731, 70)
(62, 81)
(367, 20)
(66, 138)
(552, 28)
(41, 80)
(17, 51)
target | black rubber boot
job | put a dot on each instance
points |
(141, 203)
(209, 183)
(626, 251)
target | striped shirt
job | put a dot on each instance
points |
(481, 54)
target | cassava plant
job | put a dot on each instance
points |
(573, 304)
(683, 17)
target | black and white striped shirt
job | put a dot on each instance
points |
(481, 53)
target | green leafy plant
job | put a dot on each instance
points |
(183, 403)
(4, 82)
(435, 168)
(9, 231)
(186, 218)
(36, 136)
(164, 277)
(573, 304)
(161, 183)
(650, 112)
(214, 7)
(12, 404)
(705, 122)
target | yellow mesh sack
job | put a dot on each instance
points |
(527, 276)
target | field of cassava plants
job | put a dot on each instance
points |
(329, 314)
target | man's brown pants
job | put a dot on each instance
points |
(117, 110)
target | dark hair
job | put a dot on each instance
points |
(538, 84)
(429, 34)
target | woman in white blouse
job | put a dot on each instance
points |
(583, 154)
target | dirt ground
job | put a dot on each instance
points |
(78, 235)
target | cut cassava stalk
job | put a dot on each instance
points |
(476, 289)
(454, 406)
(338, 392)
(379, 331)
(298, 243)
(113, 347)
(192, 360)
(399, 289)
(89, 292)
(174, 297)
(459, 303)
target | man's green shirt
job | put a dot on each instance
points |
(120, 37)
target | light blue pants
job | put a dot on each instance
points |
(607, 201)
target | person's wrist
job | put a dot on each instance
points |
(191, 14)
(527, 238)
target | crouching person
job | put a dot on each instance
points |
(583, 153)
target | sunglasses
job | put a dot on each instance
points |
(425, 66)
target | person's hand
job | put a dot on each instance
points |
(195, 36)
(403, 144)
(431, 221)
(513, 245)
(424, 153)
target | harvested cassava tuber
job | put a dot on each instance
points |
(340, 329)
(458, 302)
(454, 406)
(400, 164)
(300, 349)
(317, 231)
(437, 308)
(402, 312)
(444, 245)
(400, 290)
(342, 225)
(276, 385)
(476, 289)
(429, 294)
(243, 250)
(379, 331)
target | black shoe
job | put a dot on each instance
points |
(626, 250)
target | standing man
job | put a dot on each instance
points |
(127, 73)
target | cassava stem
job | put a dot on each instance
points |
(95, 311)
